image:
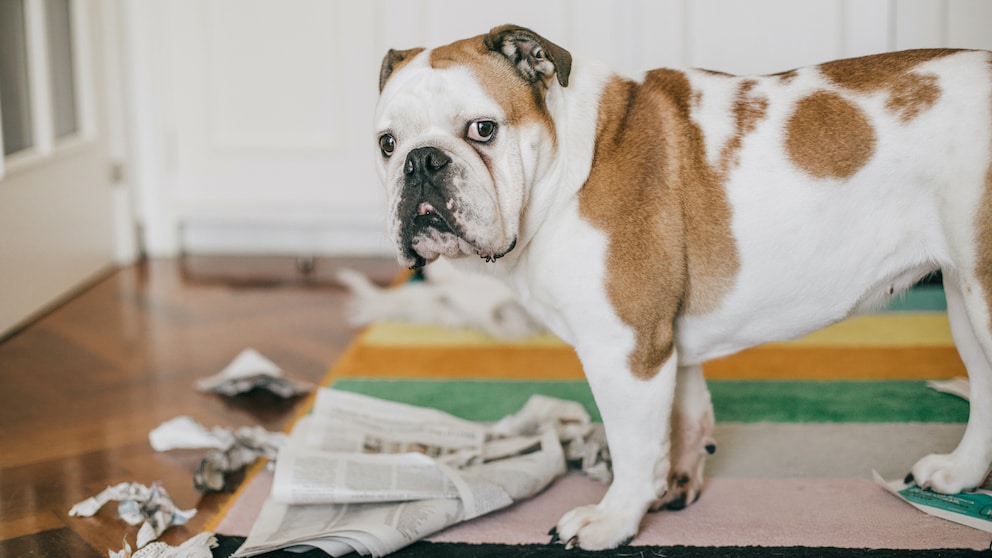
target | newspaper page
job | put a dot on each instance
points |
(973, 509)
(370, 476)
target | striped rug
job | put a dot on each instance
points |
(800, 427)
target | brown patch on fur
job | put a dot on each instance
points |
(664, 210)
(749, 110)
(984, 265)
(912, 94)
(523, 101)
(787, 77)
(828, 136)
(984, 241)
(909, 93)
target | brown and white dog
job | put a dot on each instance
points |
(659, 222)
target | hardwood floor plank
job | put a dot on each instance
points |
(44, 521)
(82, 386)
(53, 543)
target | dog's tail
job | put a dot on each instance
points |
(417, 302)
(367, 301)
(357, 283)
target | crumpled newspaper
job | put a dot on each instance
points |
(250, 370)
(583, 441)
(230, 450)
(148, 505)
(195, 547)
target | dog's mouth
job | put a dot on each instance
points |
(429, 218)
(432, 233)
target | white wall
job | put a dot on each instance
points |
(251, 119)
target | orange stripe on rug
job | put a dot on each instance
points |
(505, 362)
(852, 350)
(820, 363)
(561, 363)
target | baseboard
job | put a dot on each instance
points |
(357, 235)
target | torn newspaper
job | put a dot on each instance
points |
(196, 547)
(973, 509)
(250, 370)
(148, 505)
(370, 476)
(231, 450)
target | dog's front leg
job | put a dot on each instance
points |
(636, 414)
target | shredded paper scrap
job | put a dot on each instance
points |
(149, 506)
(230, 449)
(195, 547)
(250, 370)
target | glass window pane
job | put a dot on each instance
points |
(15, 102)
(60, 61)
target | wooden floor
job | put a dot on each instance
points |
(81, 387)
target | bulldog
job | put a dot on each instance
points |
(661, 221)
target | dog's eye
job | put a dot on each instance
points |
(387, 144)
(481, 130)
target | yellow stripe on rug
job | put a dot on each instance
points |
(874, 347)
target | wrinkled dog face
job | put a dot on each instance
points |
(461, 134)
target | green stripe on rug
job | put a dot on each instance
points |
(733, 401)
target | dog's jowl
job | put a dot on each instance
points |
(659, 222)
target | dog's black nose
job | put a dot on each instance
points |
(425, 159)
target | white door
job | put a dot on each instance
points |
(252, 128)
(56, 226)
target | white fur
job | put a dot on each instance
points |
(812, 252)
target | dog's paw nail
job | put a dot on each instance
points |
(711, 448)
(553, 533)
(627, 541)
(909, 479)
(572, 542)
(676, 504)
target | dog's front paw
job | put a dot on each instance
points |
(948, 473)
(594, 528)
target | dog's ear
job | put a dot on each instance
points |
(535, 57)
(392, 62)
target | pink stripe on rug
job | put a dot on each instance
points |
(242, 515)
(846, 513)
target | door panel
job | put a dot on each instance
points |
(55, 197)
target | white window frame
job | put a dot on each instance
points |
(46, 147)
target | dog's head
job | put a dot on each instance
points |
(462, 132)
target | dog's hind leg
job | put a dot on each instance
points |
(968, 309)
(692, 440)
